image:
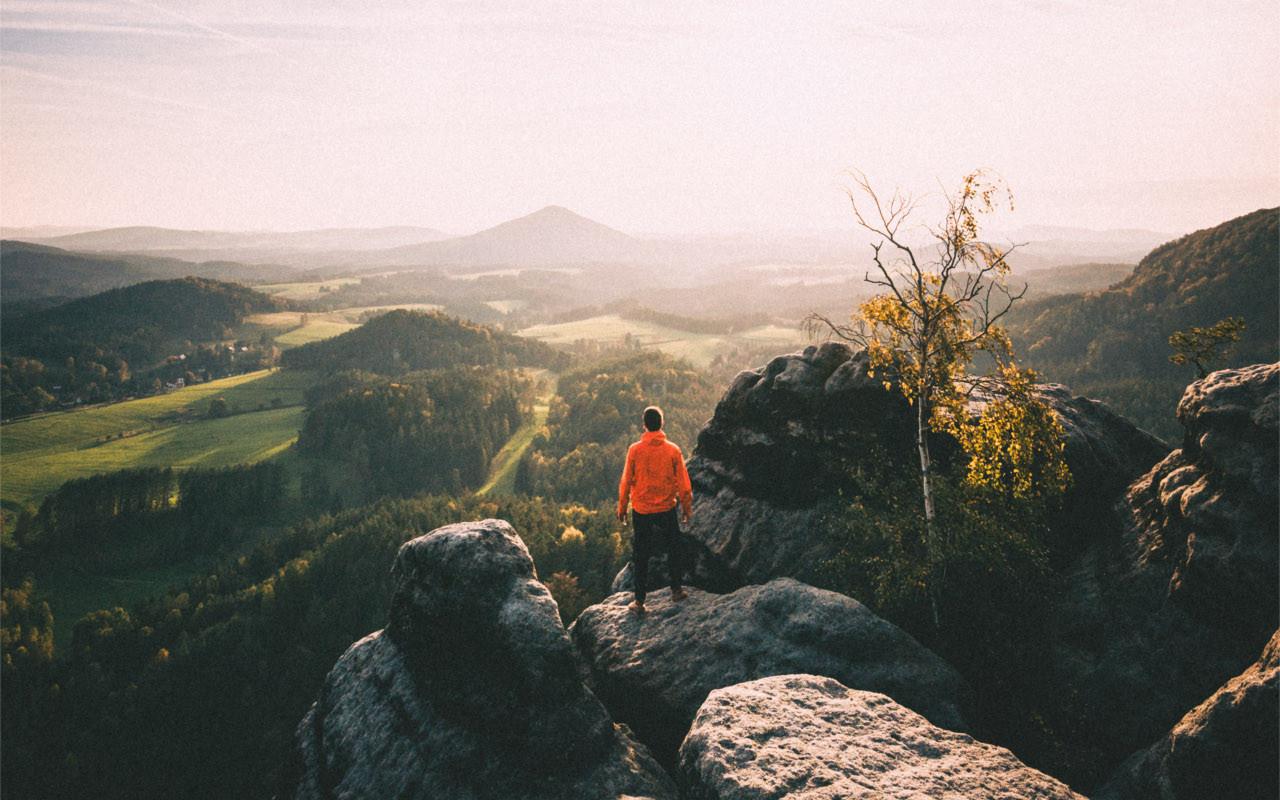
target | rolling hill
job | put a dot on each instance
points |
(1113, 344)
(127, 341)
(297, 249)
(30, 271)
(148, 238)
(403, 341)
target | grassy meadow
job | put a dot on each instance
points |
(294, 328)
(304, 290)
(502, 475)
(698, 348)
(42, 452)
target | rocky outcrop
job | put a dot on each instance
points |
(1223, 748)
(1166, 561)
(472, 691)
(1182, 597)
(1207, 514)
(653, 671)
(784, 439)
(804, 736)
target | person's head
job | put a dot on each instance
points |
(653, 418)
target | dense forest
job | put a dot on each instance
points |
(196, 693)
(141, 517)
(597, 416)
(426, 431)
(402, 341)
(128, 341)
(1114, 345)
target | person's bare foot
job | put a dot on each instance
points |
(678, 594)
(636, 607)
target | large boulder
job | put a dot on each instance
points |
(783, 439)
(654, 670)
(1181, 596)
(1226, 747)
(805, 736)
(472, 691)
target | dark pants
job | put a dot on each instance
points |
(653, 531)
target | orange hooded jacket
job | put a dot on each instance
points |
(654, 477)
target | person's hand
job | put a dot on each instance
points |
(686, 516)
(622, 516)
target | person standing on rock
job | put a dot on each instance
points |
(655, 481)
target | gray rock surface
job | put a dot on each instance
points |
(1225, 748)
(1181, 596)
(654, 670)
(1208, 512)
(783, 438)
(1167, 560)
(805, 736)
(472, 691)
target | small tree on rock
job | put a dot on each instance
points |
(1205, 347)
(939, 307)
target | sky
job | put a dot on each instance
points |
(651, 117)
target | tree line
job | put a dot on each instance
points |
(428, 431)
(146, 516)
(596, 416)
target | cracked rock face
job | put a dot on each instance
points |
(1224, 748)
(804, 736)
(653, 671)
(1208, 513)
(783, 436)
(1182, 597)
(472, 691)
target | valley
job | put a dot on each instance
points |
(639, 401)
(385, 402)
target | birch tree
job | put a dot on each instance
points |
(938, 305)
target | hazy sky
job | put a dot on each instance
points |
(651, 117)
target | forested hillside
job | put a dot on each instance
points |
(1114, 344)
(128, 340)
(597, 416)
(29, 271)
(196, 693)
(403, 341)
(428, 431)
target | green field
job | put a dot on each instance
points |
(304, 290)
(354, 313)
(502, 475)
(314, 331)
(699, 348)
(39, 453)
(293, 328)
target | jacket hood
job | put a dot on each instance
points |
(653, 437)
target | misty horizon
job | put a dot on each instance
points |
(713, 122)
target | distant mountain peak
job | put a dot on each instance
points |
(554, 214)
(552, 235)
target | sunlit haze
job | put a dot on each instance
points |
(720, 117)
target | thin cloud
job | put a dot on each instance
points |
(249, 43)
(91, 27)
(79, 83)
